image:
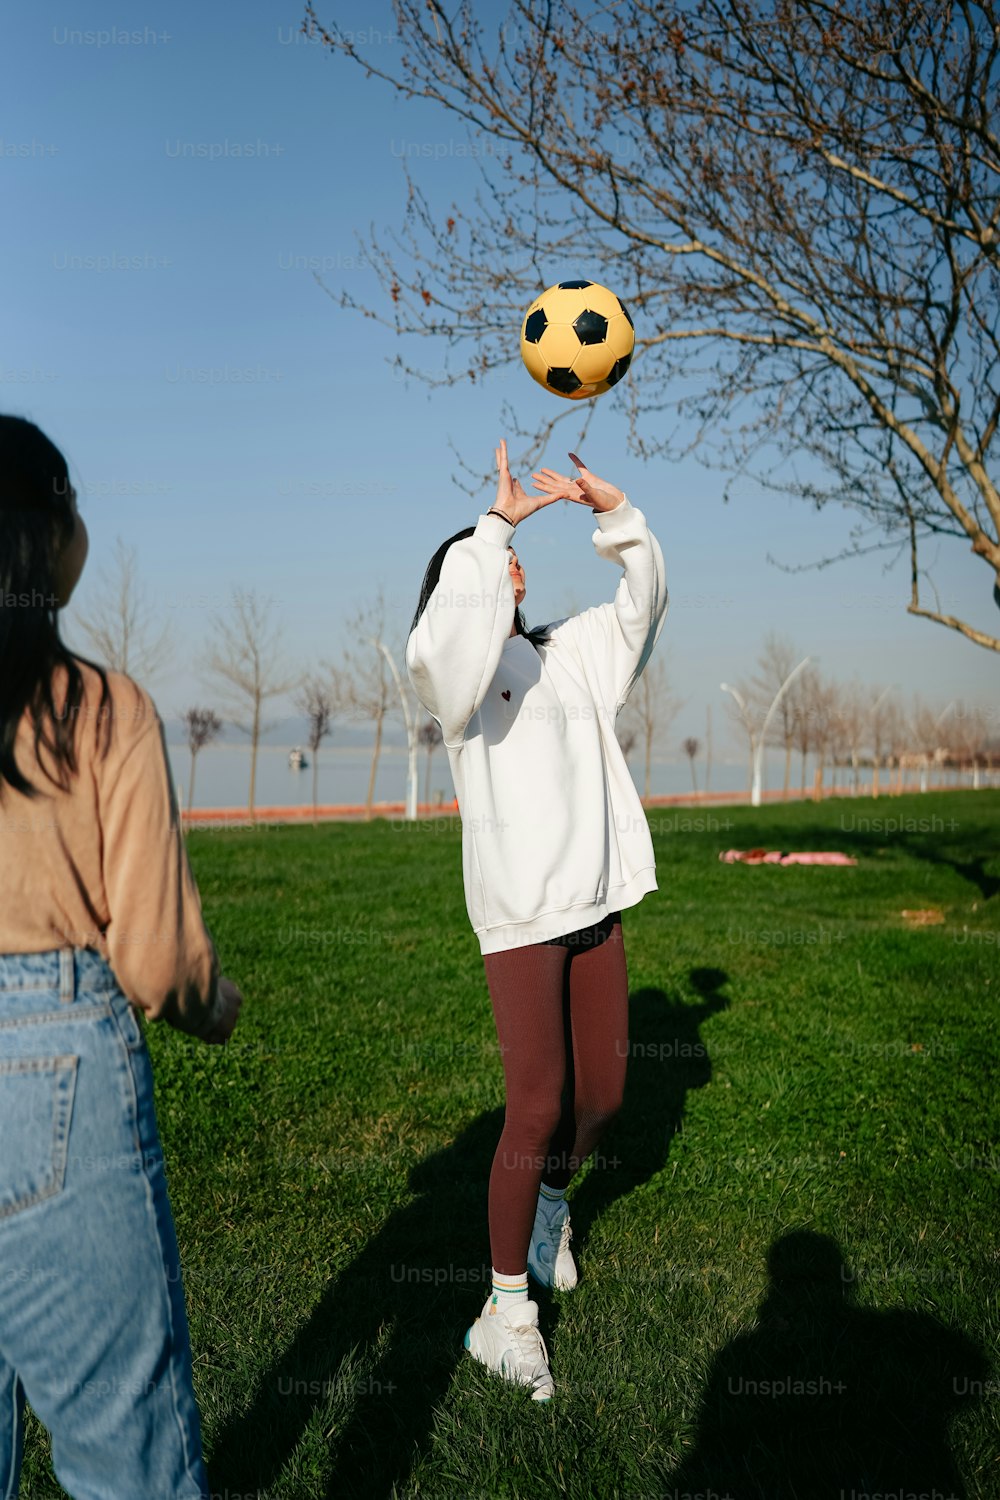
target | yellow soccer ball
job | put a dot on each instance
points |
(577, 339)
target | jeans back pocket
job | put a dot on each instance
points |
(36, 1105)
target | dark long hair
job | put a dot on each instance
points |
(538, 637)
(36, 523)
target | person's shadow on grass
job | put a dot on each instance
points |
(386, 1337)
(402, 1306)
(825, 1399)
(668, 1058)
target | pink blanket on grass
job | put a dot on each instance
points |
(775, 857)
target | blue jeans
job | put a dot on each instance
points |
(93, 1330)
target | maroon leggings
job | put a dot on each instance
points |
(561, 1011)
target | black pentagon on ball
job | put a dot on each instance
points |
(572, 286)
(591, 327)
(626, 312)
(563, 380)
(618, 369)
(535, 325)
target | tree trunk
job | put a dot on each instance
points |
(254, 737)
(191, 782)
(315, 784)
(427, 777)
(375, 754)
(649, 755)
(788, 769)
(694, 777)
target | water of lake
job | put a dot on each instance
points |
(222, 777)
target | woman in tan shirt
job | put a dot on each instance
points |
(99, 918)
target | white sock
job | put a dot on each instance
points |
(508, 1291)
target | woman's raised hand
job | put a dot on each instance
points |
(512, 499)
(587, 490)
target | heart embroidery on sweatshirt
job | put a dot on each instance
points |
(506, 694)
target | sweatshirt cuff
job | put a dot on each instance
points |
(495, 530)
(610, 518)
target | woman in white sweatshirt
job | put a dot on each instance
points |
(555, 844)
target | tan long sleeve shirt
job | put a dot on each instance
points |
(104, 865)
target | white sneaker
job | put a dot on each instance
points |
(511, 1344)
(550, 1259)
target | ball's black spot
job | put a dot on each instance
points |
(591, 327)
(535, 325)
(626, 312)
(563, 381)
(572, 286)
(618, 369)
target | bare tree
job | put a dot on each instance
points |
(691, 747)
(896, 735)
(650, 710)
(854, 723)
(838, 729)
(821, 707)
(202, 725)
(928, 738)
(430, 737)
(968, 739)
(364, 681)
(803, 693)
(246, 662)
(878, 720)
(121, 624)
(628, 739)
(314, 699)
(774, 665)
(745, 709)
(798, 202)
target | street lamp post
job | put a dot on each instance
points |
(757, 751)
(411, 734)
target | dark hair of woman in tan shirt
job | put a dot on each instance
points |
(100, 919)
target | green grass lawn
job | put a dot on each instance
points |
(788, 1248)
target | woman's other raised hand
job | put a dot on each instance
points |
(587, 490)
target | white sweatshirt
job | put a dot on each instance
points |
(554, 836)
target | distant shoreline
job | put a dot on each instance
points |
(216, 817)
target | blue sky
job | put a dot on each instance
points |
(164, 198)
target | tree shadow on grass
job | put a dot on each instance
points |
(972, 870)
(824, 1400)
(422, 1279)
(875, 826)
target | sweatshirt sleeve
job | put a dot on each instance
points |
(453, 654)
(157, 943)
(617, 639)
